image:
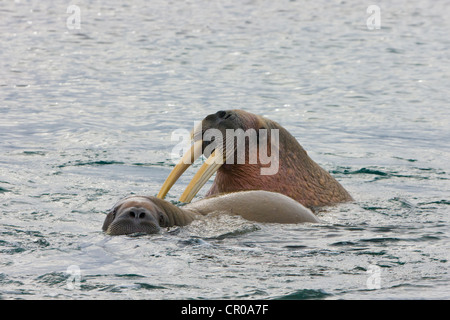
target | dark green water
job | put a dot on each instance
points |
(87, 117)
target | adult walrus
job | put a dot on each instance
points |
(297, 175)
(148, 214)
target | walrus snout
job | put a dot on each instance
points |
(134, 215)
(221, 120)
(134, 220)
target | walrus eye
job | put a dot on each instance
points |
(113, 213)
(162, 220)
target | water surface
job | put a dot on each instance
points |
(87, 116)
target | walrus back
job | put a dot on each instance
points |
(256, 205)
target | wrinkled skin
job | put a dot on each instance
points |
(298, 177)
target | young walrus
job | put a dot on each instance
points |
(147, 214)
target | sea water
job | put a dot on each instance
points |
(91, 92)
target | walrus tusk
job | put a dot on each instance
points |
(185, 162)
(211, 165)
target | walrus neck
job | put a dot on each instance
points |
(177, 216)
(181, 217)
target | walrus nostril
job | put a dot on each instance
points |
(137, 214)
(221, 114)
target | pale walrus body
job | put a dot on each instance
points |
(149, 214)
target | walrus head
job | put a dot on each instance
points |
(230, 140)
(135, 214)
(288, 170)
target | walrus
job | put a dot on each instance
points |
(297, 175)
(148, 214)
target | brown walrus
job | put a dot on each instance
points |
(297, 175)
(148, 214)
